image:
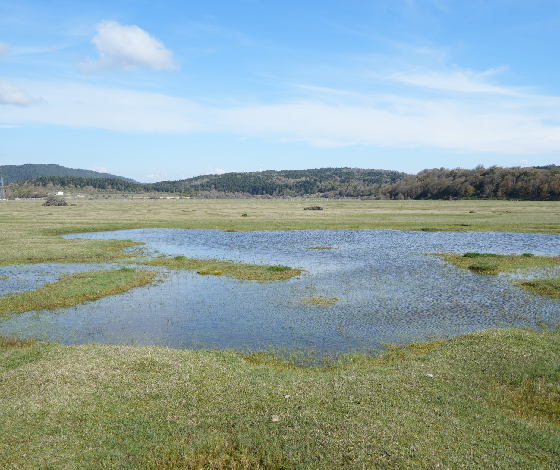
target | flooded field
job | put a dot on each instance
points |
(360, 290)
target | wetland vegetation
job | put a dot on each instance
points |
(488, 398)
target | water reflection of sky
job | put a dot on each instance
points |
(390, 291)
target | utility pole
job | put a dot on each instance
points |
(2, 191)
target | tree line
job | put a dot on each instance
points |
(535, 184)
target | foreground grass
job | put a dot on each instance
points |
(28, 230)
(501, 262)
(75, 289)
(243, 271)
(489, 399)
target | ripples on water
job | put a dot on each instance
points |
(390, 291)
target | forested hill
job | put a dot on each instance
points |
(331, 182)
(536, 184)
(13, 173)
(328, 182)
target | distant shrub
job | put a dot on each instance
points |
(528, 255)
(278, 268)
(55, 201)
(474, 254)
(486, 268)
(429, 229)
(244, 214)
(180, 257)
(127, 270)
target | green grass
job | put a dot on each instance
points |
(242, 271)
(502, 263)
(489, 399)
(319, 247)
(75, 289)
(550, 287)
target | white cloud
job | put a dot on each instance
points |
(4, 49)
(219, 171)
(11, 94)
(100, 169)
(122, 47)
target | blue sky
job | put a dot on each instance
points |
(163, 89)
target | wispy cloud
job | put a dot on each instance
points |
(494, 119)
(4, 49)
(128, 48)
(462, 81)
(100, 169)
(11, 94)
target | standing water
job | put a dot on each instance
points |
(390, 290)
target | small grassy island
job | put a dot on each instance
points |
(242, 271)
(498, 263)
(75, 289)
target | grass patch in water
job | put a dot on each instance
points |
(243, 271)
(488, 399)
(319, 247)
(75, 289)
(320, 300)
(502, 262)
(550, 287)
(3, 278)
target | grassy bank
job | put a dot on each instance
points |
(242, 271)
(27, 228)
(489, 399)
(75, 289)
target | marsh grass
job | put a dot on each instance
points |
(242, 271)
(550, 287)
(503, 263)
(482, 400)
(75, 289)
(3, 278)
(319, 247)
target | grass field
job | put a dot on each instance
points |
(489, 399)
(27, 227)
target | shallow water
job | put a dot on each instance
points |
(391, 291)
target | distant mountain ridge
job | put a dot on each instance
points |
(27, 171)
